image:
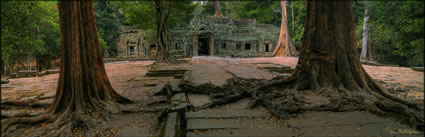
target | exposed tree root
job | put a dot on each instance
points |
(70, 123)
(26, 103)
(287, 96)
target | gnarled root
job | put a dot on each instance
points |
(287, 96)
(70, 123)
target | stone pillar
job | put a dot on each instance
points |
(211, 45)
(195, 45)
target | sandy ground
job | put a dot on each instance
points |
(402, 76)
(128, 78)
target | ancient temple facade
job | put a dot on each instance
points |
(135, 42)
(207, 36)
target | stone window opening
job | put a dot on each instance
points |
(247, 46)
(223, 45)
(177, 45)
(267, 47)
(238, 46)
(152, 47)
(131, 50)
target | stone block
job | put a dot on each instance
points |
(132, 132)
(172, 125)
(198, 99)
(226, 114)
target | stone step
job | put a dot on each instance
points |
(285, 70)
(418, 68)
(133, 132)
(226, 114)
(245, 132)
(164, 73)
(315, 119)
(205, 124)
(172, 126)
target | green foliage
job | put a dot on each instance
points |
(225, 7)
(299, 13)
(270, 12)
(267, 12)
(397, 31)
(142, 14)
(108, 21)
(29, 28)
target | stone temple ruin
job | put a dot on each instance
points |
(205, 36)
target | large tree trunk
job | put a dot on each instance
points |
(284, 46)
(83, 89)
(366, 53)
(328, 76)
(162, 12)
(329, 64)
(217, 9)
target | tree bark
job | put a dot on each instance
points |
(293, 17)
(83, 87)
(217, 9)
(162, 12)
(365, 53)
(329, 65)
(284, 45)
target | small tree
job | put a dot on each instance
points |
(366, 51)
(160, 15)
(217, 9)
(284, 46)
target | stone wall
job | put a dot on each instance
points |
(224, 36)
(134, 42)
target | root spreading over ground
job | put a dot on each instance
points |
(284, 96)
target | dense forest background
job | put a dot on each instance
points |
(30, 29)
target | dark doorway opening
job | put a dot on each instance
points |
(267, 47)
(203, 46)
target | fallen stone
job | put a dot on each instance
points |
(344, 124)
(159, 89)
(42, 73)
(418, 69)
(150, 84)
(226, 114)
(205, 124)
(197, 100)
(181, 97)
(52, 71)
(314, 119)
(181, 108)
(47, 95)
(368, 62)
(171, 127)
(164, 73)
(245, 132)
(178, 76)
(186, 76)
(174, 86)
(132, 132)
(27, 73)
(4, 81)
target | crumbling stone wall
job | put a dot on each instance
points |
(231, 37)
(224, 36)
(134, 42)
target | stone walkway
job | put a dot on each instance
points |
(217, 70)
(237, 120)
